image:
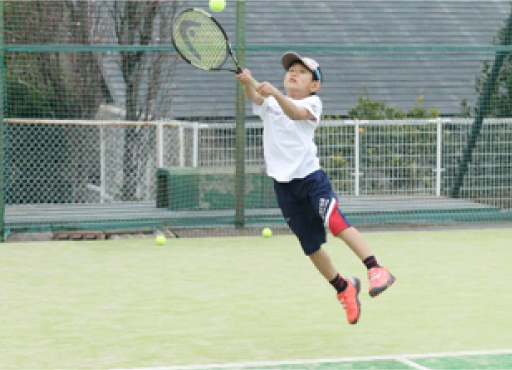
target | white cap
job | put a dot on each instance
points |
(288, 58)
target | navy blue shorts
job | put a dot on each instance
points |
(309, 206)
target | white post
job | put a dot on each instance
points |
(357, 158)
(103, 176)
(195, 152)
(181, 134)
(439, 157)
(159, 144)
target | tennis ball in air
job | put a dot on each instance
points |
(160, 240)
(266, 232)
(217, 5)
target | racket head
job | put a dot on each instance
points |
(201, 40)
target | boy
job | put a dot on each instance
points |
(304, 193)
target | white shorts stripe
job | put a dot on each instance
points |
(329, 212)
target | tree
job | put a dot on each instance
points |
(69, 84)
(144, 72)
(62, 84)
(500, 98)
(494, 90)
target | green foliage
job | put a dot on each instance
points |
(373, 109)
(419, 112)
(368, 108)
(500, 102)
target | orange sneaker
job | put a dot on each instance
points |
(380, 280)
(349, 300)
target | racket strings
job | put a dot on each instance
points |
(199, 39)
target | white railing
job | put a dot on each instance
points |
(436, 144)
(363, 157)
(359, 130)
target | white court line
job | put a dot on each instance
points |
(411, 363)
(467, 353)
(401, 358)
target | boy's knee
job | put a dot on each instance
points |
(335, 220)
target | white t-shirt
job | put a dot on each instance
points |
(289, 147)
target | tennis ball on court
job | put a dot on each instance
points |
(266, 232)
(160, 240)
(217, 5)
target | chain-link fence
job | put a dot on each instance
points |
(106, 127)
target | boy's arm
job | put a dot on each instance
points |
(252, 95)
(245, 79)
(293, 111)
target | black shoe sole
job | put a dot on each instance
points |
(357, 285)
(375, 292)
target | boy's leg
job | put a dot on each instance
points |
(380, 278)
(308, 227)
(326, 203)
(356, 242)
(323, 264)
(347, 289)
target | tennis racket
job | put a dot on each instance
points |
(202, 42)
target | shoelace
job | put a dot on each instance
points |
(374, 274)
(343, 303)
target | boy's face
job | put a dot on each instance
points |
(298, 81)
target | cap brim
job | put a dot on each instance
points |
(288, 58)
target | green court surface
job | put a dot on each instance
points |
(483, 362)
(130, 304)
(492, 360)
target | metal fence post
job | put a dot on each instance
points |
(357, 158)
(2, 132)
(240, 122)
(439, 158)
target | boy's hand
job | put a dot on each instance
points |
(266, 89)
(244, 77)
(249, 85)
